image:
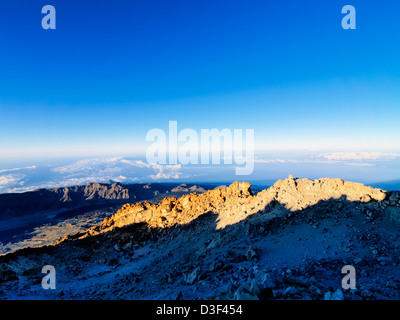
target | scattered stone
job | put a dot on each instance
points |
(243, 294)
(251, 254)
(366, 293)
(177, 296)
(391, 284)
(337, 295)
(193, 276)
(394, 198)
(127, 246)
(357, 260)
(314, 290)
(215, 266)
(290, 291)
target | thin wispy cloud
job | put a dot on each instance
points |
(131, 170)
(118, 169)
(11, 181)
(17, 169)
(81, 172)
(359, 156)
(342, 158)
(268, 161)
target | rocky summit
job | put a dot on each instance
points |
(290, 241)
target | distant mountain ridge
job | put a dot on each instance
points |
(236, 202)
(14, 205)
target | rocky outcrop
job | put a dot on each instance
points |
(93, 191)
(184, 188)
(297, 194)
(27, 203)
(290, 241)
(20, 204)
(236, 202)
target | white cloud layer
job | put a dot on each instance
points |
(127, 170)
(359, 156)
(81, 172)
(118, 169)
(11, 181)
(17, 169)
(343, 158)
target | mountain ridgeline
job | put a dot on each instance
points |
(289, 241)
(20, 204)
(235, 203)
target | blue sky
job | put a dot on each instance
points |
(113, 70)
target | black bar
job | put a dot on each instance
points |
(193, 309)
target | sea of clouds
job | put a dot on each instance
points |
(356, 166)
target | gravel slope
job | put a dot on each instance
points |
(277, 253)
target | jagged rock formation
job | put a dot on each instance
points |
(40, 217)
(21, 204)
(287, 242)
(94, 191)
(184, 188)
(235, 203)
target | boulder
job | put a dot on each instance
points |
(337, 295)
(193, 276)
(251, 254)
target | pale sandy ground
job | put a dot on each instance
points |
(45, 228)
(50, 232)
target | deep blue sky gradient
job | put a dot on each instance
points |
(112, 70)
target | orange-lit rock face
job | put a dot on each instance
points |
(236, 202)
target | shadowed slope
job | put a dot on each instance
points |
(235, 203)
(289, 241)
